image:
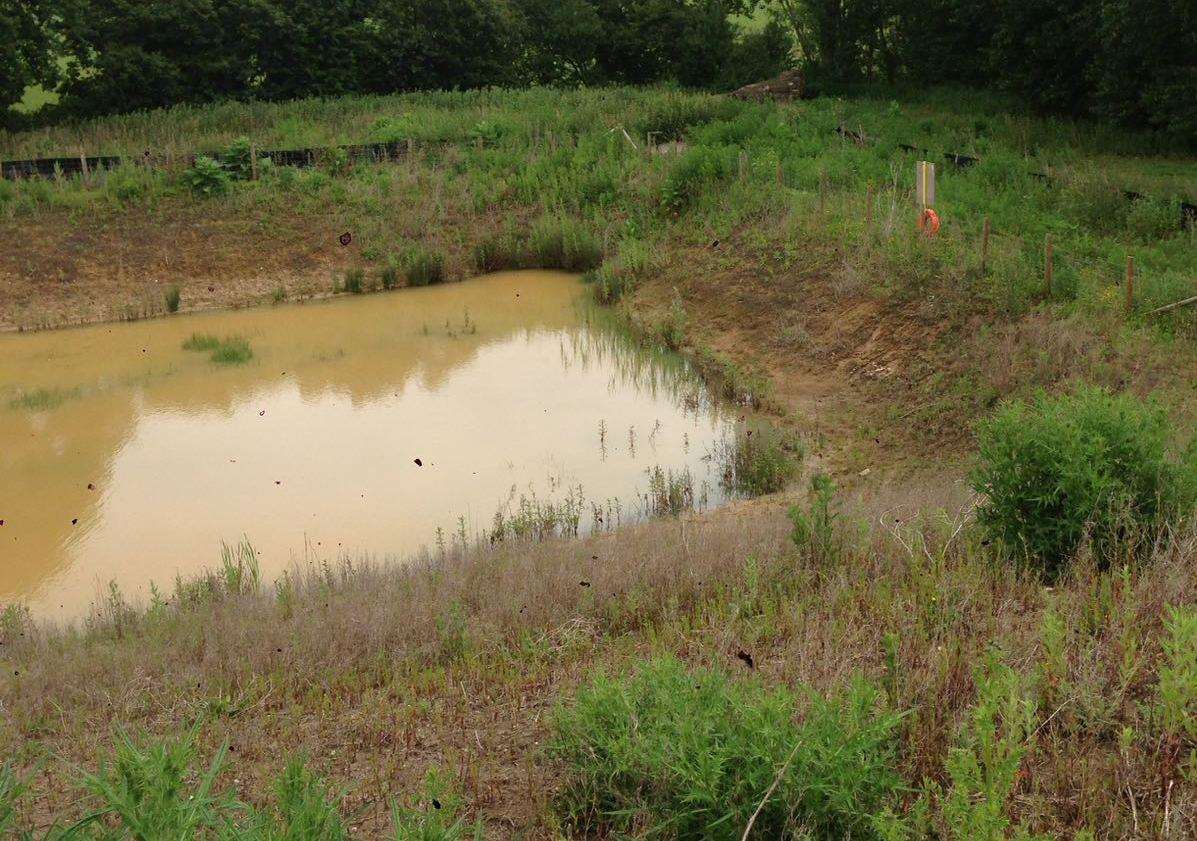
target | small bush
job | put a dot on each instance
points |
(1056, 469)
(695, 171)
(173, 297)
(238, 160)
(424, 268)
(691, 753)
(207, 178)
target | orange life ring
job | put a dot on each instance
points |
(929, 222)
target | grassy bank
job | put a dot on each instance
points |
(877, 640)
(1059, 709)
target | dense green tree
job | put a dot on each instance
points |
(422, 44)
(28, 54)
(313, 47)
(131, 54)
(1145, 71)
(559, 41)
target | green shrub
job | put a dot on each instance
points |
(563, 243)
(1057, 468)
(207, 178)
(424, 268)
(691, 753)
(173, 297)
(695, 171)
(436, 816)
(238, 160)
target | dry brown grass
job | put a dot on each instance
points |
(379, 672)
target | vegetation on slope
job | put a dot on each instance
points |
(909, 656)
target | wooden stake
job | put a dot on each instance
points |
(1047, 264)
(869, 206)
(780, 175)
(984, 244)
(410, 144)
(253, 161)
(1130, 284)
(83, 166)
(743, 166)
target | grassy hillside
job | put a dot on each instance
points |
(878, 637)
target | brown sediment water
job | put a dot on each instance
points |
(360, 426)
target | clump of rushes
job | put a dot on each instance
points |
(758, 461)
(424, 267)
(202, 342)
(173, 297)
(231, 350)
(563, 243)
(234, 350)
(388, 276)
(354, 281)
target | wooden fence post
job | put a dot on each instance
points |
(984, 244)
(743, 166)
(781, 179)
(869, 206)
(253, 161)
(1047, 264)
(1130, 284)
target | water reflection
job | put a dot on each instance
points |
(359, 425)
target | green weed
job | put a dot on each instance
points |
(1057, 470)
(690, 753)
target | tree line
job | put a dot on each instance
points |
(1134, 61)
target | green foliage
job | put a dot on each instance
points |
(1176, 703)
(148, 789)
(237, 159)
(207, 177)
(1056, 469)
(690, 753)
(983, 766)
(563, 243)
(424, 268)
(304, 810)
(233, 350)
(388, 276)
(813, 529)
(28, 56)
(695, 172)
(173, 296)
(201, 342)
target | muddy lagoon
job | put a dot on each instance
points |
(370, 426)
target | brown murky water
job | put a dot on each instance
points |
(125, 458)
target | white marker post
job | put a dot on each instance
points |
(925, 184)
